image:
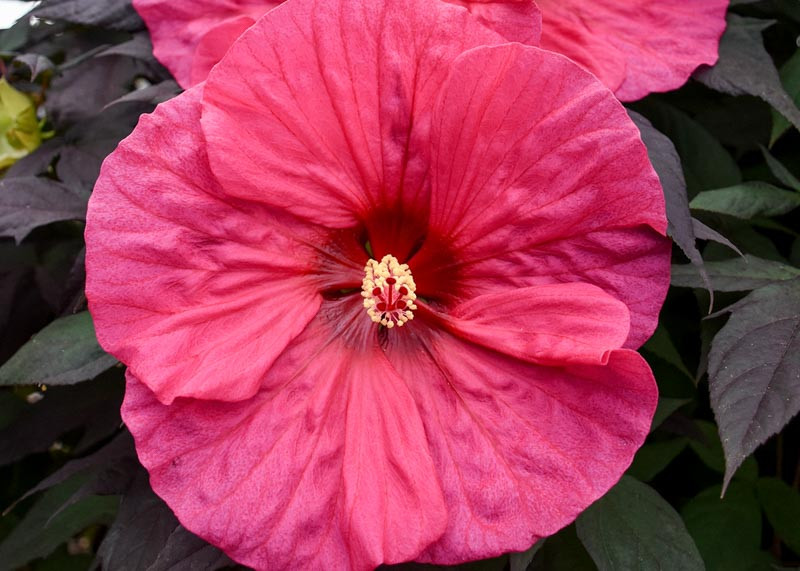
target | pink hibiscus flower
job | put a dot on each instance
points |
(635, 47)
(191, 36)
(377, 283)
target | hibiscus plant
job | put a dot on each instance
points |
(409, 284)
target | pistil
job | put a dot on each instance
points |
(388, 290)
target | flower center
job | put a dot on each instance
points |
(388, 289)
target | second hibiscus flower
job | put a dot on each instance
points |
(635, 47)
(350, 166)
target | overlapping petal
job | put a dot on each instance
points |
(326, 467)
(552, 324)
(533, 158)
(635, 47)
(350, 132)
(520, 449)
(196, 292)
(178, 27)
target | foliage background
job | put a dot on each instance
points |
(727, 149)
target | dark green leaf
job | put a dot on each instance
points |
(107, 471)
(93, 406)
(790, 78)
(727, 531)
(708, 448)
(63, 353)
(666, 408)
(706, 164)
(745, 67)
(747, 200)
(653, 457)
(563, 552)
(780, 171)
(781, 503)
(661, 344)
(737, 274)
(29, 202)
(521, 561)
(633, 527)
(753, 370)
(40, 532)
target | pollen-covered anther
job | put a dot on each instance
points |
(389, 292)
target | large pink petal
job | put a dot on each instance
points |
(326, 467)
(533, 154)
(177, 27)
(635, 46)
(196, 292)
(547, 325)
(330, 100)
(520, 449)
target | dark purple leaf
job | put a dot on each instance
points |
(29, 202)
(146, 535)
(83, 90)
(38, 162)
(633, 527)
(754, 370)
(667, 165)
(113, 14)
(89, 142)
(35, 63)
(153, 94)
(745, 67)
(63, 353)
(703, 232)
(138, 47)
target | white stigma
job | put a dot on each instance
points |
(388, 290)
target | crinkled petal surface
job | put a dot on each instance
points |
(635, 47)
(540, 177)
(326, 467)
(349, 133)
(520, 449)
(177, 27)
(196, 292)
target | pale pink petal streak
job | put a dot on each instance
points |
(532, 153)
(635, 47)
(326, 467)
